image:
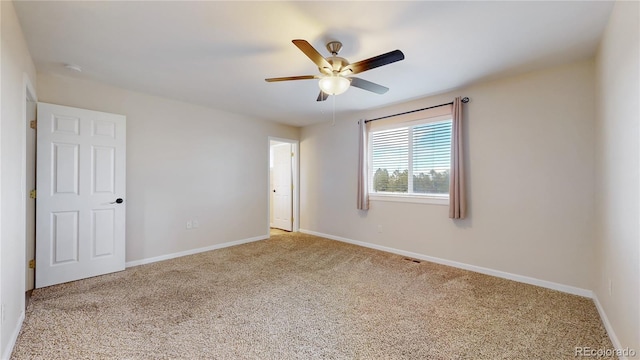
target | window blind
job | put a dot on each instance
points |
(390, 160)
(431, 157)
(412, 159)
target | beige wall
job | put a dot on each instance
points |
(618, 167)
(16, 66)
(530, 164)
(183, 162)
(530, 181)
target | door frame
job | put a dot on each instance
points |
(295, 166)
(29, 95)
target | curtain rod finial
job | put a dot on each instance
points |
(465, 99)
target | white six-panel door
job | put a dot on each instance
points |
(80, 223)
(282, 199)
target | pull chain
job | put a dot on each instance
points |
(333, 123)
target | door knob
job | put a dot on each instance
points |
(118, 201)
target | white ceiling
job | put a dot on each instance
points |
(217, 54)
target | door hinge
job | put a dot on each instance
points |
(291, 186)
(33, 124)
(292, 154)
(32, 264)
(32, 194)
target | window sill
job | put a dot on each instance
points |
(434, 200)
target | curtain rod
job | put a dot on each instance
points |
(464, 100)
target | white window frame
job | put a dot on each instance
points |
(417, 198)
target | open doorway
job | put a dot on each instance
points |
(283, 185)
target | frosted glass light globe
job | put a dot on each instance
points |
(334, 84)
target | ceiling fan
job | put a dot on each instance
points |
(335, 71)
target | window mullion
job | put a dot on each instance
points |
(410, 155)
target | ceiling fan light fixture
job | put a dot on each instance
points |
(334, 69)
(334, 84)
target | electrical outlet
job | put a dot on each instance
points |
(189, 225)
(196, 224)
(610, 287)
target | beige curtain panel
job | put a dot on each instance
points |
(457, 196)
(363, 183)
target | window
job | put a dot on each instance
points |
(410, 160)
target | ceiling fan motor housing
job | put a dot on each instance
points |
(337, 65)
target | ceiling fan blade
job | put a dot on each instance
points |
(368, 85)
(322, 96)
(313, 54)
(376, 61)
(287, 78)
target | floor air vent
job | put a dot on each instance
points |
(413, 260)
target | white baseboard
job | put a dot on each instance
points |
(194, 251)
(607, 325)
(487, 271)
(6, 355)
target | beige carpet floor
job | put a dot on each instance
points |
(297, 296)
